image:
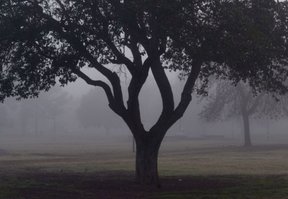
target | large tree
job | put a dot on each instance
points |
(42, 41)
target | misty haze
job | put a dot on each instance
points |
(64, 116)
(143, 99)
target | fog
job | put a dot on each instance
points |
(79, 115)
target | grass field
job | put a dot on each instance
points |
(46, 169)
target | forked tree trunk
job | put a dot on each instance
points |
(147, 162)
(247, 136)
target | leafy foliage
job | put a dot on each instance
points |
(237, 40)
(44, 40)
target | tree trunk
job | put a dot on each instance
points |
(146, 162)
(247, 137)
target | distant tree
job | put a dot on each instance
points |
(231, 101)
(54, 103)
(48, 106)
(49, 40)
(4, 116)
(28, 111)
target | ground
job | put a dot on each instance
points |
(120, 185)
(188, 168)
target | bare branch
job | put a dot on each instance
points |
(134, 89)
(165, 92)
(78, 46)
(97, 83)
(186, 95)
(122, 59)
(135, 52)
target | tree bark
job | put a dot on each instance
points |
(147, 161)
(247, 136)
(244, 99)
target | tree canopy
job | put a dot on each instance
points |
(49, 40)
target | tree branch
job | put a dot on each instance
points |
(137, 58)
(78, 46)
(165, 92)
(122, 59)
(186, 95)
(112, 103)
(98, 83)
(134, 89)
(132, 27)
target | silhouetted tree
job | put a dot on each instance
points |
(231, 101)
(49, 40)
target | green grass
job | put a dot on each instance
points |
(192, 161)
(252, 187)
(211, 172)
(205, 187)
(225, 162)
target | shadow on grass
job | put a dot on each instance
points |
(228, 187)
(119, 184)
